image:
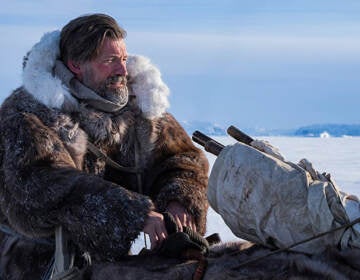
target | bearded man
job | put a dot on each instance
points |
(86, 144)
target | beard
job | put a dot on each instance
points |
(117, 95)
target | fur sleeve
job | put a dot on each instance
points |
(42, 188)
(181, 173)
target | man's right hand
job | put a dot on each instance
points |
(155, 228)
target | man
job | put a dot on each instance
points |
(84, 105)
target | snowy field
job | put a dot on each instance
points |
(338, 156)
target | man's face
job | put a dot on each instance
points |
(106, 74)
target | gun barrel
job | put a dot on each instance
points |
(238, 135)
(213, 147)
(207, 142)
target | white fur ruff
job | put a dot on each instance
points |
(144, 79)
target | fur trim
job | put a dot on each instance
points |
(37, 74)
(145, 82)
(144, 79)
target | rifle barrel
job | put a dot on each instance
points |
(207, 142)
(238, 135)
(213, 147)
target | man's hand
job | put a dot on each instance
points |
(155, 228)
(182, 217)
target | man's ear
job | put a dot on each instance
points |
(74, 67)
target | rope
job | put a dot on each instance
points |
(49, 271)
(8, 231)
(92, 148)
(137, 151)
(42, 241)
(347, 225)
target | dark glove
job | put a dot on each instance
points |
(178, 242)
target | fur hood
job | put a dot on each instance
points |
(144, 79)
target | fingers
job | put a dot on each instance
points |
(155, 228)
(190, 223)
(185, 220)
(182, 217)
(156, 239)
(178, 223)
(193, 227)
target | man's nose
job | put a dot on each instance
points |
(120, 69)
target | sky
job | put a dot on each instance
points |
(255, 64)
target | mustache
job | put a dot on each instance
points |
(116, 79)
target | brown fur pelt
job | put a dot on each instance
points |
(224, 262)
(49, 177)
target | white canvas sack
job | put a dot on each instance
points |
(269, 201)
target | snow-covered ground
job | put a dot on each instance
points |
(338, 156)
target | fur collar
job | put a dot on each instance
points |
(144, 79)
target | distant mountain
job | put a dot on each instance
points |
(212, 129)
(207, 128)
(317, 130)
(324, 130)
(269, 132)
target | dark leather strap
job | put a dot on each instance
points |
(95, 151)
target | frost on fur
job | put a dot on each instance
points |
(37, 75)
(145, 82)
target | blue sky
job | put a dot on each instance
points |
(255, 64)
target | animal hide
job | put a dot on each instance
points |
(225, 262)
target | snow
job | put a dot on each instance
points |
(338, 156)
(325, 134)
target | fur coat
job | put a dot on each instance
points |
(49, 178)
